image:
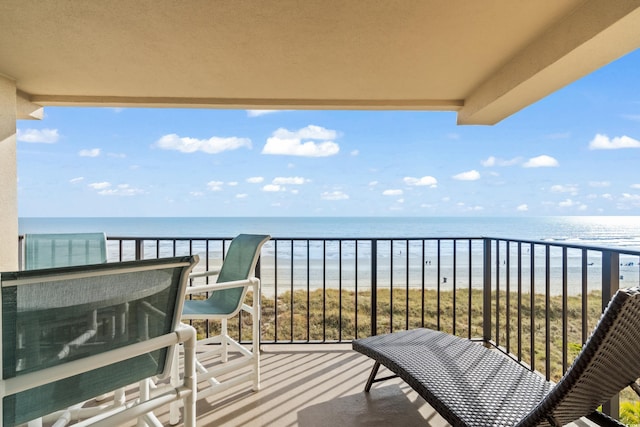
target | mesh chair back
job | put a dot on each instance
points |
(48, 321)
(239, 264)
(608, 362)
(64, 250)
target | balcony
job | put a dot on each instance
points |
(535, 301)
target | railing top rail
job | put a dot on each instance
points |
(590, 247)
(298, 238)
(569, 245)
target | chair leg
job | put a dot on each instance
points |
(256, 336)
(372, 377)
(144, 396)
(225, 344)
(174, 407)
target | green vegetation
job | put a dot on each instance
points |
(347, 316)
(630, 413)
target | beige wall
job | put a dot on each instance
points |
(8, 177)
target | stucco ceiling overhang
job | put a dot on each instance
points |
(484, 59)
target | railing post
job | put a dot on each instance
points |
(374, 287)
(139, 249)
(486, 291)
(610, 285)
(20, 252)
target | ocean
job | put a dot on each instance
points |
(333, 259)
(608, 231)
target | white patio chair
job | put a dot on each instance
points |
(64, 250)
(226, 300)
(41, 378)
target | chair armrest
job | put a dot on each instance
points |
(220, 286)
(212, 272)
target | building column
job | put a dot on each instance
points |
(8, 177)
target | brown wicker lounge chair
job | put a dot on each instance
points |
(472, 385)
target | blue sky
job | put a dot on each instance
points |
(576, 152)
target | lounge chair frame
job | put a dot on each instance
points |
(470, 384)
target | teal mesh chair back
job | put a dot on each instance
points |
(239, 264)
(47, 327)
(64, 250)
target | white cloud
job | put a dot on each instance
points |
(255, 180)
(292, 180)
(599, 184)
(215, 185)
(636, 186)
(45, 136)
(630, 196)
(603, 142)
(232, 183)
(373, 183)
(472, 175)
(100, 185)
(355, 152)
(568, 188)
(242, 196)
(273, 188)
(491, 161)
(121, 190)
(76, 180)
(106, 189)
(196, 193)
(94, 152)
(522, 208)
(392, 192)
(258, 113)
(213, 145)
(334, 195)
(567, 203)
(495, 161)
(309, 132)
(543, 161)
(424, 181)
(290, 143)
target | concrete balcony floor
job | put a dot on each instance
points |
(311, 385)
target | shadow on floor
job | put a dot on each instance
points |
(364, 409)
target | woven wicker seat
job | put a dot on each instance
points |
(472, 385)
